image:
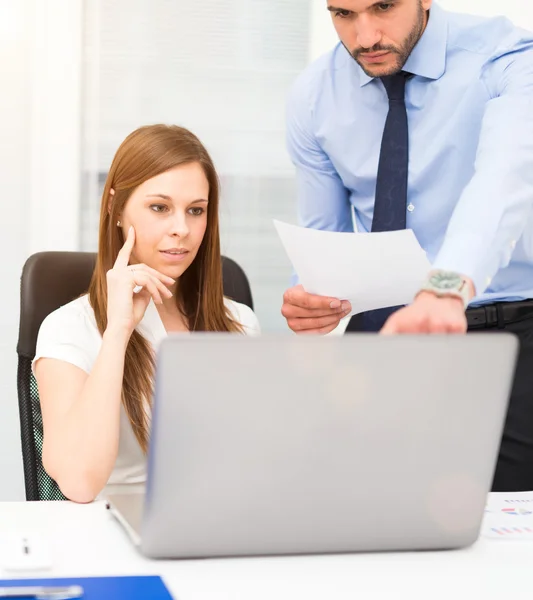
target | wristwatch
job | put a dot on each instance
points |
(447, 283)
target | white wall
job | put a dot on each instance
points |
(14, 225)
(519, 11)
(40, 50)
(323, 35)
(55, 101)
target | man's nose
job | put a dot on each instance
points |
(368, 35)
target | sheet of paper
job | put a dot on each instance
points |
(509, 516)
(372, 270)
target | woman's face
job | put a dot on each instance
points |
(169, 215)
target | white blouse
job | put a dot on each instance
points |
(70, 333)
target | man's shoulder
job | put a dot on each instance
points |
(483, 35)
(320, 71)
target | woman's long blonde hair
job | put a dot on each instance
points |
(145, 153)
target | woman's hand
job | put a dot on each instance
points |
(130, 288)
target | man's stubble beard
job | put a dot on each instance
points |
(402, 53)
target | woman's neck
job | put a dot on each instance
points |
(171, 316)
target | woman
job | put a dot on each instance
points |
(158, 270)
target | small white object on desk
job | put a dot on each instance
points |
(20, 552)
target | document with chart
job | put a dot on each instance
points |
(509, 516)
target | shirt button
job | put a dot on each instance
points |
(411, 207)
(488, 281)
(513, 244)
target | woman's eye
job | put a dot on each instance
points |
(158, 208)
(197, 211)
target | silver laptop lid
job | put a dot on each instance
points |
(275, 445)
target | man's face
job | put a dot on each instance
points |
(379, 35)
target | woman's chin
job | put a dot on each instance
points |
(176, 270)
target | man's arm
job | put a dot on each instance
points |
(323, 201)
(494, 208)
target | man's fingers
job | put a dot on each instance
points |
(313, 325)
(321, 331)
(297, 296)
(440, 326)
(418, 325)
(389, 328)
(401, 323)
(124, 254)
(459, 327)
(325, 330)
(295, 312)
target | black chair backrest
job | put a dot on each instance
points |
(50, 280)
(235, 282)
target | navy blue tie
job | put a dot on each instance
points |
(391, 185)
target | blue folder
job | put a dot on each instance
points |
(104, 588)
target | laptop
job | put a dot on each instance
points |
(295, 444)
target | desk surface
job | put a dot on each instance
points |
(85, 540)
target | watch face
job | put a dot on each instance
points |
(446, 281)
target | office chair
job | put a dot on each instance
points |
(50, 280)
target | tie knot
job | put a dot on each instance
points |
(395, 86)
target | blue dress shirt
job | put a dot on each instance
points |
(470, 113)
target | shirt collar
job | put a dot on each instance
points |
(428, 58)
(151, 326)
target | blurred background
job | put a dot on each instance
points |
(77, 76)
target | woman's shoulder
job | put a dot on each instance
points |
(71, 324)
(243, 314)
(78, 311)
(69, 333)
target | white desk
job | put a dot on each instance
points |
(85, 540)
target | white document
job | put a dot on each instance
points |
(509, 516)
(371, 270)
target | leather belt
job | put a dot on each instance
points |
(499, 314)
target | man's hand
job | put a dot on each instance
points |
(428, 314)
(309, 313)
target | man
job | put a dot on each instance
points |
(423, 119)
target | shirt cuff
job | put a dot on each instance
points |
(472, 256)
